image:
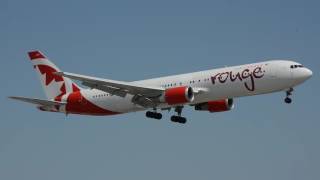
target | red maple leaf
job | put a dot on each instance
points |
(48, 71)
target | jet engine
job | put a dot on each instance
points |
(178, 95)
(215, 106)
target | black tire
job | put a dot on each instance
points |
(182, 120)
(174, 118)
(149, 114)
(178, 119)
(158, 116)
(288, 100)
(153, 115)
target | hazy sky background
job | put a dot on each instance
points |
(262, 138)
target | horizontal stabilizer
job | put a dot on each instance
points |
(39, 102)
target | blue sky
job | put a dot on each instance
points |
(262, 138)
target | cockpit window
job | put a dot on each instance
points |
(296, 66)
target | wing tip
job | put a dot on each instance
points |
(12, 97)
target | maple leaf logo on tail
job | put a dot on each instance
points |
(49, 74)
(54, 86)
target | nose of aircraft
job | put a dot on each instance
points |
(302, 75)
(307, 73)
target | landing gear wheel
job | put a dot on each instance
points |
(149, 114)
(183, 120)
(288, 100)
(153, 115)
(178, 119)
(174, 118)
(158, 116)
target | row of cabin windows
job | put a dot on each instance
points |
(166, 85)
(190, 82)
(101, 95)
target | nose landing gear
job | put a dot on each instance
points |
(288, 100)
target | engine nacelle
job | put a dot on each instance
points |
(216, 106)
(178, 95)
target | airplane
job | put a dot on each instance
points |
(212, 90)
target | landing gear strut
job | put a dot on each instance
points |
(178, 119)
(288, 100)
(154, 115)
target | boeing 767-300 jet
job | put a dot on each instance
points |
(211, 90)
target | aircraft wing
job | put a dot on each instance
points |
(39, 102)
(143, 95)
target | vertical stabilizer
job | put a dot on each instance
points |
(55, 86)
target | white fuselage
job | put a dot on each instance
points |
(216, 84)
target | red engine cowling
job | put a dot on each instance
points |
(216, 106)
(178, 95)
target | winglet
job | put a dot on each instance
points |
(33, 55)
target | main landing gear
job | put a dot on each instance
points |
(177, 119)
(154, 115)
(288, 100)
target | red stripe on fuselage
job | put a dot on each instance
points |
(78, 104)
